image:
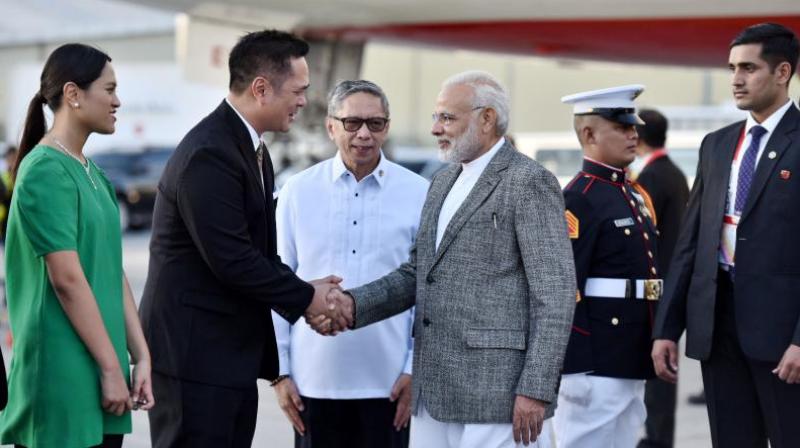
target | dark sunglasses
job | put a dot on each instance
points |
(353, 124)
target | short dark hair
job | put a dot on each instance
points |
(654, 130)
(264, 53)
(778, 43)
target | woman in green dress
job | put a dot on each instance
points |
(70, 306)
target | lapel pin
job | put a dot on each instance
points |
(614, 177)
(786, 174)
(772, 154)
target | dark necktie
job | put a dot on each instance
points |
(260, 158)
(265, 170)
(747, 168)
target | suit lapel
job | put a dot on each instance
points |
(244, 144)
(269, 176)
(778, 142)
(723, 160)
(485, 185)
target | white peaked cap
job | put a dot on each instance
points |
(613, 103)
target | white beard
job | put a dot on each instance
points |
(463, 147)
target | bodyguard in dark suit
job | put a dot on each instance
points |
(214, 273)
(667, 187)
(733, 283)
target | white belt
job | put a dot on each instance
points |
(620, 288)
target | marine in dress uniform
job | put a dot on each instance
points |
(613, 230)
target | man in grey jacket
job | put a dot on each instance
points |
(492, 278)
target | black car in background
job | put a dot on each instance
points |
(135, 176)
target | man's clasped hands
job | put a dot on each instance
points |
(331, 310)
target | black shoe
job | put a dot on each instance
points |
(697, 399)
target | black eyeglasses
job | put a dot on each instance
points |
(353, 124)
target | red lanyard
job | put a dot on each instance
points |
(739, 145)
(657, 154)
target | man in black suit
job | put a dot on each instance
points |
(214, 272)
(742, 313)
(669, 193)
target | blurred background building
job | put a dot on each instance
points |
(171, 62)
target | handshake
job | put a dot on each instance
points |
(331, 310)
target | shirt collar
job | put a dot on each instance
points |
(479, 164)
(339, 169)
(603, 171)
(771, 122)
(253, 134)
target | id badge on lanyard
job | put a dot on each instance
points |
(730, 221)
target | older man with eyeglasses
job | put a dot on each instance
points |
(355, 214)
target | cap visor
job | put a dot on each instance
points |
(618, 116)
(630, 119)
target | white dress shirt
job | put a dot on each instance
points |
(330, 224)
(470, 172)
(731, 221)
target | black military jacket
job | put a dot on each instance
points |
(613, 235)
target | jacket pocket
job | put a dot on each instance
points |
(496, 338)
(210, 302)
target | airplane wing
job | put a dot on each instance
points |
(682, 32)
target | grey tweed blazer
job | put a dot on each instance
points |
(494, 303)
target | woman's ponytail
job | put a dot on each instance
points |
(34, 129)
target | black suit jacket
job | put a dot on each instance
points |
(767, 280)
(669, 191)
(214, 271)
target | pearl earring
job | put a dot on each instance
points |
(76, 105)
